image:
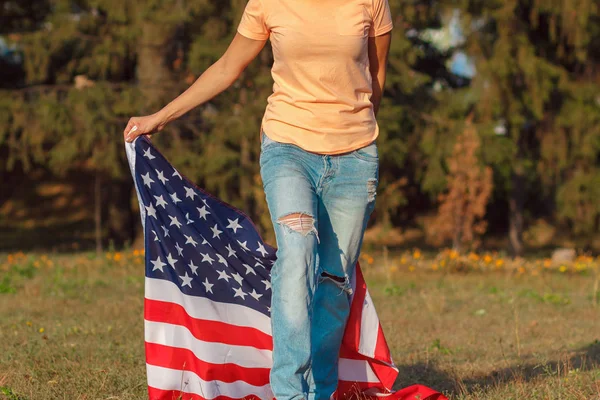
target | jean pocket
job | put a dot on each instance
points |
(266, 141)
(368, 153)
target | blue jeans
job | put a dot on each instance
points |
(319, 205)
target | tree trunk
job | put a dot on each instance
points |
(154, 75)
(121, 218)
(516, 204)
(98, 212)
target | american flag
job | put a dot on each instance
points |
(208, 295)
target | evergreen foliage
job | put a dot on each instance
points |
(88, 65)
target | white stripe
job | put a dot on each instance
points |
(356, 371)
(369, 327)
(189, 382)
(216, 353)
(130, 151)
(203, 308)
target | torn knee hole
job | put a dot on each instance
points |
(335, 278)
(342, 282)
(299, 222)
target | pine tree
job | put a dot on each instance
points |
(462, 209)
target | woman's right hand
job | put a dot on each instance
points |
(146, 125)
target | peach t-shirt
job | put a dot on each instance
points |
(322, 82)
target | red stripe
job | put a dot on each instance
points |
(206, 330)
(382, 351)
(159, 394)
(184, 359)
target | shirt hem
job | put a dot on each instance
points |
(251, 35)
(382, 30)
(350, 149)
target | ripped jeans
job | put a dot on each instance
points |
(319, 205)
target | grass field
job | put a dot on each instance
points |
(472, 326)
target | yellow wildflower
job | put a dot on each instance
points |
(473, 256)
(563, 268)
(417, 254)
(411, 268)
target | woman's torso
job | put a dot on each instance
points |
(322, 83)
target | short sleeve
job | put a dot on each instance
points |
(252, 24)
(382, 18)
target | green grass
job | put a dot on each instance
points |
(71, 327)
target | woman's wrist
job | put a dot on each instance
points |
(165, 116)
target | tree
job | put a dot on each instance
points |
(462, 209)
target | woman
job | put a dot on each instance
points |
(318, 163)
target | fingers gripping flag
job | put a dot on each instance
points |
(208, 294)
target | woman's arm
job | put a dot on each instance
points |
(213, 81)
(379, 47)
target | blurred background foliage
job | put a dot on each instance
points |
(490, 125)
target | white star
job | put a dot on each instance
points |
(267, 284)
(156, 239)
(258, 265)
(189, 192)
(158, 264)
(233, 224)
(204, 241)
(230, 250)
(255, 295)
(147, 179)
(165, 230)
(161, 177)
(244, 245)
(206, 258)
(238, 278)
(160, 201)
(175, 221)
(187, 281)
(174, 197)
(208, 285)
(171, 261)
(203, 212)
(176, 173)
(269, 309)
(190, 240)
(216, 232)
(205, 203)
(193, 267)
(239, 293)
(262, 249)
(150, 210)
(179, 249)
(148, 154)
(223, 275)
(189, 221)
(222, 259)
(249, 269)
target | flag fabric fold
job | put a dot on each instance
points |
(208, 294)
